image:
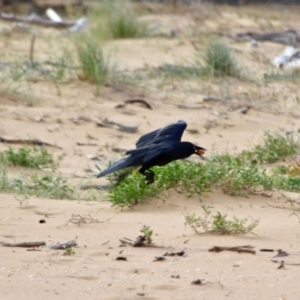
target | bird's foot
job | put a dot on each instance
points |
(149, 177)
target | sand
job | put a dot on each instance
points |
(68, 118)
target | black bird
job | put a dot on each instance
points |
(157, 148)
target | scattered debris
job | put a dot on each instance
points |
(281, 266)
(244, 109)
(36, 20)
(24, 245)
(159, 258)
(212, 99)
(121, 258)
(139, 242)
(53, 15)
(239, 249)
(54, 128)
(93, 157)
(197, 282)
(175, 276)
(120, 127)
(79, 219)
(34, 142)
(289, 60)
(86, 144)
(181, 253)
(286, 37)
(281, 253)
(78, 26)
(64, 246)
(135, 101)
(183, 106)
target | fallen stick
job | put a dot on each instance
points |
(35, 19)
(239, 249)
(63, 246)
(118, 126)
(34, 142)
(24, 245)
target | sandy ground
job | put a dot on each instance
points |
(67, 118)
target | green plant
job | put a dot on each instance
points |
(147, 232)
(69, 251)
(94, 65)
(218, 61)
(275, 147)
(219, 223)
(123, 24)
(43, 186)
(36, 158)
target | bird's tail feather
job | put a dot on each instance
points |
(121, 164)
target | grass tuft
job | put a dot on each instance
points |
(36, 158)
(218, 61)
(93, 64)
(219, 223)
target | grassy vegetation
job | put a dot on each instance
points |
(219, 223)
(36, 158)
(239, 175)
(219, 61)
(93, 65)
(216, 61)
(116, 20)
(46, 186)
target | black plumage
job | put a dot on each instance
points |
(157, 148)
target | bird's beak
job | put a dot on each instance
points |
(201, 152)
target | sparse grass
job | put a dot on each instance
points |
(46, 186)
(219, 223)
(275, 147)
(147, 232)
(124, 25)
(219, 61)
(117, 20)
(238, 175)
(93, 64)
(36, 158)
(216, 61)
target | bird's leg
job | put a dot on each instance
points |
(148, 174)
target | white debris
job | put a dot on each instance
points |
(289, 60)
(53, 15)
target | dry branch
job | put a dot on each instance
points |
(35, 19)
(24, 245)
(239, 249)
(34, 142)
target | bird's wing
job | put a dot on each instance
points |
(157, 151)
(172, 132)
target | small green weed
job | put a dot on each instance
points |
(93, 64)
(124, 25)
(69, 251)
(36, 158)
(44, 186)
(147, 232)
(219, 223)
(275, 147)
(218, 61)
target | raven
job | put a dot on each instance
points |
(157, 148)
